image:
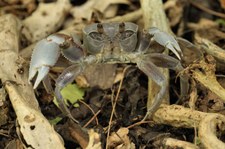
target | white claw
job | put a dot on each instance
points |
(42, 72)
(166, 40)
(45, 55)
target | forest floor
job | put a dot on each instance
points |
(110, 100)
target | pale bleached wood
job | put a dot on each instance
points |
(154, 16)
(34, 128)
(45, 20)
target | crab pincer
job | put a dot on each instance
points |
(44, 56)
(166, 40)
(46, 53)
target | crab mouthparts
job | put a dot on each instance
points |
(111, 59)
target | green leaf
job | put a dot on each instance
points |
(55, 121)
(220, 22)
(71, 93)
(197, 141)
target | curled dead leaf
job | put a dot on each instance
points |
(120, 140)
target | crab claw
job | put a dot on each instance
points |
(44, 56)
(166, 40)
(47, 52)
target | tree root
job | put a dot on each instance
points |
(207, 123)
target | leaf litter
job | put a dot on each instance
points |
(197, 122)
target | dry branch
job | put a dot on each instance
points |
(208, 129)
(34, 127)
(174, 143)
(178, 116)
(207, 123)
(210, 82)
(212, 49)
(130, 17)
(154, 16)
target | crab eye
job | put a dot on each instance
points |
(126, 34)
(128, 40)
(96, 36)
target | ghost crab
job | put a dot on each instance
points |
(106, 43)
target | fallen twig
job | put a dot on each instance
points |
(130, 17)
(174, 143)
(212, 49)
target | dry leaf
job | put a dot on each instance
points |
(86, 10)
(222, 3)
(47, 18)
(213, 33)
(175, 10)
(102, 5)
(120, 140)
(94, 140)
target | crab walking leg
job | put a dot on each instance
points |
(65, 78)
(165, 61)
(155, 74)
(47, 85)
